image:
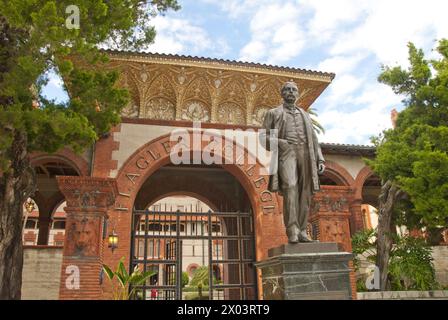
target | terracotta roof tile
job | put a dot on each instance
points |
(223, 61)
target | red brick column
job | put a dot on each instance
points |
(87, 202)
(44, 230)
(356, 215)
(330, 214)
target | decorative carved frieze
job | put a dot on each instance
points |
(205, 93)
(160, 108)
(131, 110)
(231, 113)
(195, 111)
(258, 115)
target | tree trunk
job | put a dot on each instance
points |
(16, 185)
(388, 197)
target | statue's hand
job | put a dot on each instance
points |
(283, 144)
(321, 168)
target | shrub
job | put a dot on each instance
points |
(411, 266)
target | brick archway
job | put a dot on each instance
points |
(188, 194)
(338, 174)
(361, 178)
(64, 155)
(268, 223)
(203, 190)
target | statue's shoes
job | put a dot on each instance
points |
(305, 239)
(293, 239)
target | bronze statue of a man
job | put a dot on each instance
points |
(299, 161)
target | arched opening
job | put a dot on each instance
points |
(194, 217)
(370, 216)
(51, 202)
(371, 190)
(57, 230)
(369, 209)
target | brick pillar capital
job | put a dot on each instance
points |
(87, 193)
(88, 200)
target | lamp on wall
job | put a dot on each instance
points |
(30, 206)
(113, 240)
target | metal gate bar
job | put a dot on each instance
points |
(158, 228)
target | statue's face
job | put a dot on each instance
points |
(290, 93)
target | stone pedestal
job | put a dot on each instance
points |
(306, 271)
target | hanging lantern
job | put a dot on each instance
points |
(30, 206)
(113, 240)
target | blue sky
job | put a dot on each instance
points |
(351, 38)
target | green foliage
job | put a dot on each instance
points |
(361, 285)
(411, 266)
(410, 262)
(35, 40)
(185, 279)
(200, 277)
(200, 280)
(363, 243)
(316, 124)
(127, 282)
(414, 154)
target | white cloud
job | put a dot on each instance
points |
(276, 35)
(328, 16)
(182, 36)
(356, 106)
(351, 37)
(342, 88)
(341, 64)
(390, 25)
(344, 125)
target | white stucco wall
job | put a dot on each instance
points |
(41, 273)
(353, 164)
(133, 136)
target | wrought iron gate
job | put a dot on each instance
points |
(224, 241)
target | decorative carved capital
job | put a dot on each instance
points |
(88, 192)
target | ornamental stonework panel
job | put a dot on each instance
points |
(269, 95)
(234, 92)
(83, 236)
(231, 113)
(198, 90)
(231, 94)
(131, 110)
(160, 109)
(258, 115)
(161, 87)
(195, 111)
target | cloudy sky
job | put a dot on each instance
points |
(351, 38)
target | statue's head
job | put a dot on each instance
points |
(290, 92)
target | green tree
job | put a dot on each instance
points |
(412, 159)
(185, 279)
(316, 124)
(410, 261)
(34, 40)
(201, 279)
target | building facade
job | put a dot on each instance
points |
(117, 185)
